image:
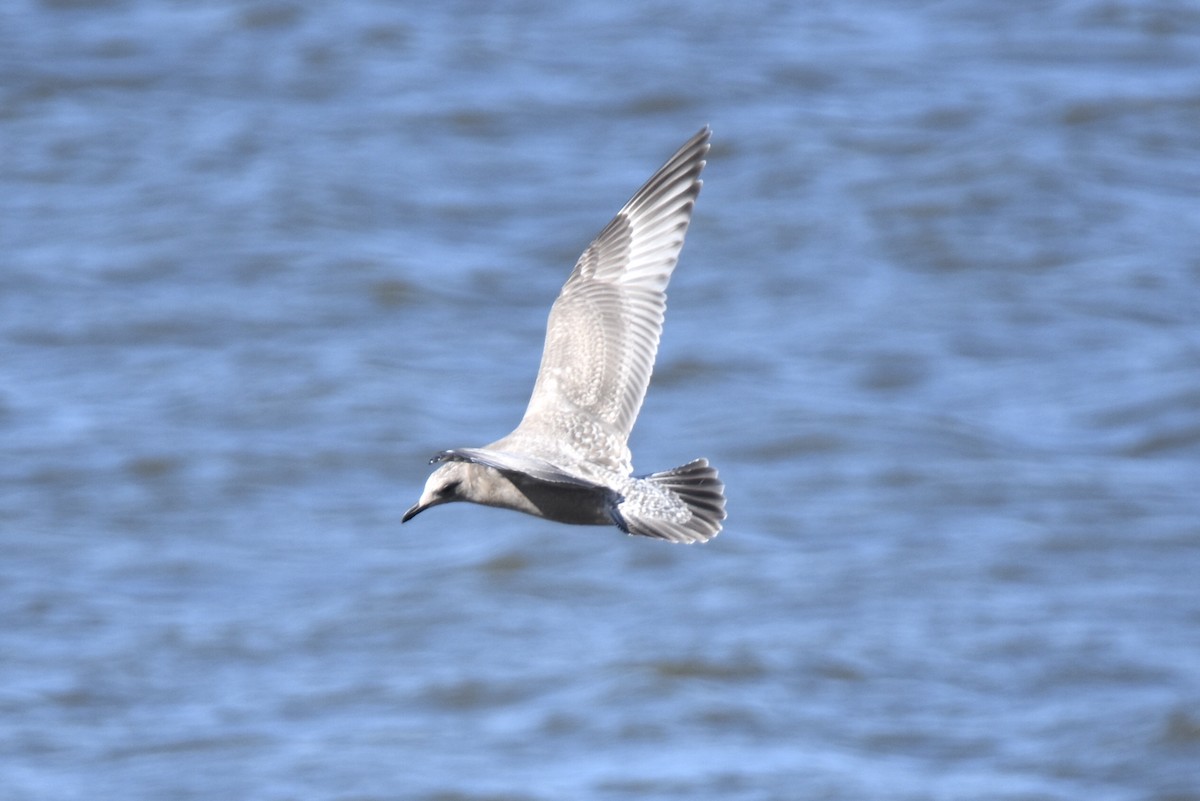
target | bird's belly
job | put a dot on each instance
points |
(586, 506)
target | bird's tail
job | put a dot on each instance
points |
(702, 492)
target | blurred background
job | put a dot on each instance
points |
(937, 323)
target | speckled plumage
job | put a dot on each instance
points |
(569, 460)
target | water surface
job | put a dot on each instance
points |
(936, 322)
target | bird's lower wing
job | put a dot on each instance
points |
(517, 463)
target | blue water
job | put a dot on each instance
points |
(937, 322)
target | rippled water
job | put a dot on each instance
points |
(936, 322)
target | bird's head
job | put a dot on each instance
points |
(444, 485)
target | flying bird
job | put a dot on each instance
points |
(569, 458)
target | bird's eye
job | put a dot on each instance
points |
(449, 490)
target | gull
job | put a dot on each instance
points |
(569, 459)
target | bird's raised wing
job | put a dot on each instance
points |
(603, 331)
